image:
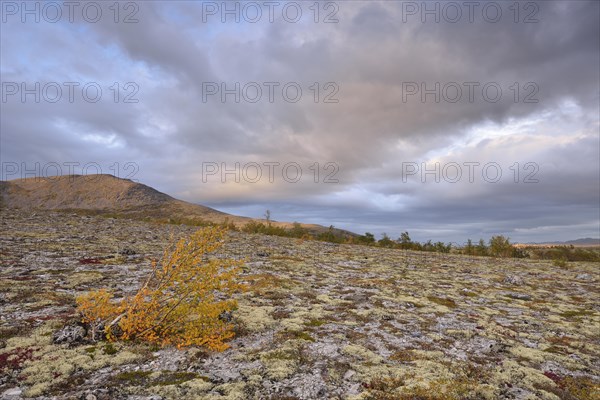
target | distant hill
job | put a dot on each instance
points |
(584, 242)
(107, 194)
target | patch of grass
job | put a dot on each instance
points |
(571, 388)
(316, 322)
(576, 313)
(133, 378)
(582, 388)
(461, 387)
(109, 349)
(555, 350)
(287, 335)
(404, 356)
(307, 295)
(442, 301)
(281, 314)
(560, 262)
(280, 355)
(7, 333)
(382, 388)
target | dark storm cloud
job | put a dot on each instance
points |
(371, 54)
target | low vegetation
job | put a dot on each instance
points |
(316, 320)
(176, 304)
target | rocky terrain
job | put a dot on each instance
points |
(320, 321)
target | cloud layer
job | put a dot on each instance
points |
(408, 111)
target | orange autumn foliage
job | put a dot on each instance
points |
(179, 303)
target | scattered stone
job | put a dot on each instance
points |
(263, 254)
(498, 348)
(70, 334)
(226, 316)
(10, 394)
(520, 296)
(127, 252)
(349, 374)
(584, 277)
(309, 386)
(513, 280)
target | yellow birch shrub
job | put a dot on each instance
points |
(180, 301)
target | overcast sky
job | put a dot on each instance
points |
(449, 120)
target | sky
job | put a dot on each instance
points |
(449, 120)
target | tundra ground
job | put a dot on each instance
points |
(320, 320)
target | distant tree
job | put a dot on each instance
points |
(440, 247)
(367, 238)
(481, 248)
(330, 236)
(298, 231)
(405, 240)
(428, 246)
(500, 246)
(469, 249)
(385, 241)
(268, 217)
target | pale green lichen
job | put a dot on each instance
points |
(255, 319)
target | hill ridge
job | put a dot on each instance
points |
(105, 193)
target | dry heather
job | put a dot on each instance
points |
(319, 321)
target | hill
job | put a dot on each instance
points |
(583, 242)
(109, 195)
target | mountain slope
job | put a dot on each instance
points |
(108, 194)
(79, 192)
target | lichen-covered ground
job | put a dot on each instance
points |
(320, 321)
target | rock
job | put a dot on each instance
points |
(226, 316)
(584, 277)
(263, 254)
(513, 280)
(349, 374)
(14, 393)
(499, 348)
(309, 386)
(520, 296)
(2, 344)
(70, 334)
(91, 397)
(225, 375)
(127, 252)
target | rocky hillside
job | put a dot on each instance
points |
(106, 194)
(89, 192)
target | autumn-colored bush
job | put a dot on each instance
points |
(180, 302)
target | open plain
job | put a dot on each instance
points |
(319, 320)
